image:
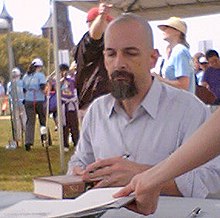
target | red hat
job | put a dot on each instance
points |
(93, 13)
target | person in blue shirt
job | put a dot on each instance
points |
(16, 98)
(34, 86)
(178, 69)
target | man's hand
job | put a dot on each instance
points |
(104, 8)
(98, 26)
(115, 171)
(77, 171)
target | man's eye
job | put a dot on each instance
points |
(131, 53)
(110, 54)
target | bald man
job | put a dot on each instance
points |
(142, 121)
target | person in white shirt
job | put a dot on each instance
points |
(16, 97)
(142, 119)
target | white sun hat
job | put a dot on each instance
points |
(176, 23)
(37, 62)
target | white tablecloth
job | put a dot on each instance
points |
(174, 207)
(168, 207)
(9, 198)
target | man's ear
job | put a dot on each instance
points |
(153, 58)
(106, 65)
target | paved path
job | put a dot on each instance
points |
(4, 117)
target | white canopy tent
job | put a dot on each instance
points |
(151, 9)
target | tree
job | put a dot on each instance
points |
(26, 47)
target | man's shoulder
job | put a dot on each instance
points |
(180, 96)
(186, 105)
(103, 100)
(102, 104)
(86, 38)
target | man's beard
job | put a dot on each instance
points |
(123, 85)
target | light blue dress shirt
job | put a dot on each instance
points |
(180, 64)
(163, 121)
(31, 83)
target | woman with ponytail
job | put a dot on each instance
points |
(34, 84)
(178, 71)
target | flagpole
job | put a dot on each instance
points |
(58, 91)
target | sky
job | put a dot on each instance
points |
(31, 15)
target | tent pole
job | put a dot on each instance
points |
(58, 91)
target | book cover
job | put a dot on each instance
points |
(60, 187)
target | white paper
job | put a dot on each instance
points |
(93, 198)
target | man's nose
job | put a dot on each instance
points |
(120, 62)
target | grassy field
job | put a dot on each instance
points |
(18, 167)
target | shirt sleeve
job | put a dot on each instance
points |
(84, 153)
(42, 78)
(183, 66)
(89, 49)
(203, 180)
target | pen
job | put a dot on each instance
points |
(195, 212)
(125, 156)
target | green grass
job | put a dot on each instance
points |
(18, 167)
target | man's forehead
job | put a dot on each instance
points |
(122, 49)
(123, 36)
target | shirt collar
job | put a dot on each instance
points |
(112, 106)
(150, 102)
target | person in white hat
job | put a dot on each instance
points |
(34, 85)
(179, 69)
(16, 98)
(203, 65)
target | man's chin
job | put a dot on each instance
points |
(123, 95)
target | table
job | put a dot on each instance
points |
(168, 207)
(8, 198)
(174, 207)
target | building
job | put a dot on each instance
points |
(6, 16)
(65, 37)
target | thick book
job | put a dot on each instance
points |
(60, 187)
